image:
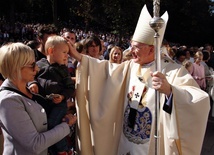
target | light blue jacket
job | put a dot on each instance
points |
(24, 125)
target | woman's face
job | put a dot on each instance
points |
(29, 71)
(117, 56)
(94, 50)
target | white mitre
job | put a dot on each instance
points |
(143, 32)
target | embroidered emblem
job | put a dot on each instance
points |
(139, 130)
(140, 134)
(137, 95)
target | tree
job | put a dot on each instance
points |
(188, 24)
(54, 11)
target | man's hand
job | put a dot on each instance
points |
(160, 83)
(73, 52)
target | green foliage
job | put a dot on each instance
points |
(190, 21)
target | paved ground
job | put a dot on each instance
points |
(208, 145)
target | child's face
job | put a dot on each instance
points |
(199, 59)
(60, 54)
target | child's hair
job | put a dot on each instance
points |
(198, 54)
(187, 64)
(53, 41)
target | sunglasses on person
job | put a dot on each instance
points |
(33, 65)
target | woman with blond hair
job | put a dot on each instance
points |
(22, 119)
(116, 55)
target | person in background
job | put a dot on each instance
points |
(180, 56)
(44, 31)
(189, 56)
(70, 36)
(106, 53)
(102, 50)
(35, 44)
(22, 119)
(198, 72)
(92, 46)
(208, 71)
(189, 66)
(116, 103)
(206, 58)
(127, 52)
(209, 48)
(116, 55)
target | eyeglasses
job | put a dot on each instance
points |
(33, 65)
(136, 48)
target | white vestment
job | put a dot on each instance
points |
(105, 94)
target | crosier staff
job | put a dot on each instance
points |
(156, 24)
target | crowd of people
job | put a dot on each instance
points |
(72, 91)
(21, 32)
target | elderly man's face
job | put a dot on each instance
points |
(142, 53)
